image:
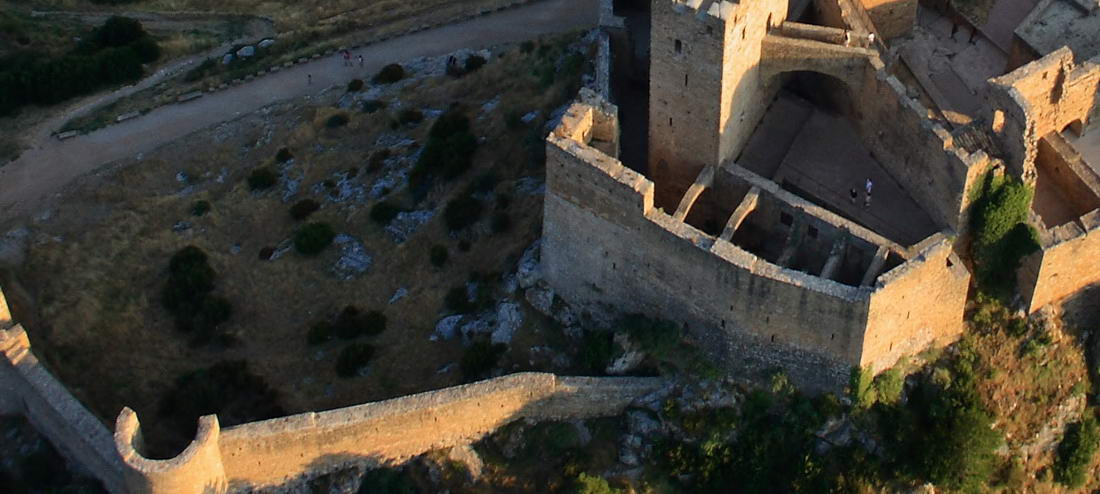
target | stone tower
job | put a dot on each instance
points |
(706, 93)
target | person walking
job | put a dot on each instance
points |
(309, 79)
(347, 58)
(360, 61)
(853, 194)
(867, 199)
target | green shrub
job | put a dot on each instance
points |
(262, 178)
(474, 62)
(657, 337)
(597, 350)
(1001, 233)
(266, 253)
(355, 85)
(503, 201)
(389, 74)
(480, 358)
(311, 239)
(384, 212)
(457, 300)
(527, 46)
(438, 255)
(387, 481)
(351, 323)
(462, 212)
(464, 245)
(410, 116)
(353, 358)
(228, 389)
(118, 31)
(1077, 452)
(502, 223)
(373, 105)
(320, 332)
(302, 209)
(146, 49)
(200, 208)
(190, 278)
(378, 159)
(889, 385)
(284, 155)
(513, 119)
(449, 150)
(337, 120)
(593, 484)
(861, 387)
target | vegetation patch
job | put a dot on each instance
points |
(389, 74)
(312, 239)
(462, 212)
(480, 358)
(262, 178)
(302, 209)
(353, 359)
(1077, 452)
(1001, 233)
(187, 294)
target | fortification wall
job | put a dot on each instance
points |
(1062, 266)
(1044, 96)
(917, 305)
(28, 389)
(919, 154)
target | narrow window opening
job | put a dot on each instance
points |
(833, 336)
(949, 263)
(773, 338)
(685, 80)
(614, 266)
(670, 121)
(710, 30)
(812, 232)
(679, 46)
(723, 323)
(786, 219)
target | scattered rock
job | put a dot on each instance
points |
(398, 295)
(353, 260)
(246, 51)
(266, 43)
(641, 423)
(531, 116)
(181, 226)
(228, 59)
(407, 223)
(509, 319)
(541, 298)
(527, 271)
(235, 248)
(446, 328)
(281, 249)
(490, 105)
(447, 368)
(530, 186)
(182, 177)
(466, 455)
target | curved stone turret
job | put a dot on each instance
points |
(197, 470)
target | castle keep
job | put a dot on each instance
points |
(748, 222)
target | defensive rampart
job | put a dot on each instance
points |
(604, 242)
(1064, 264)
(283, 450)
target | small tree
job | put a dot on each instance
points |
(438, 255)
(355, 85)
(353, 358)
(302, 209)
(311, 239)
(262, 178)
(480, 358)
(389, 74)
(462, 212)
(1077, 452)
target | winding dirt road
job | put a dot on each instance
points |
(27, 184)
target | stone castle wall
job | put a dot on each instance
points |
(287, 449)
(604, 243)
(1065, 263)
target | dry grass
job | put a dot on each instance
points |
(99, 264)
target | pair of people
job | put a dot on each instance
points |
(853, 194)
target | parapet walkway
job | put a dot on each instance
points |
(39, 173)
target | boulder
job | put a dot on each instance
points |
(246, 51)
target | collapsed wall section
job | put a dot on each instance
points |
(1044, 96)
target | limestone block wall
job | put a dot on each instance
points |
(604, 243)
(920, 154)
(892, 18)
(1041, 97)
(28, 389)
(916, 305)
(1064, 265)
(197, 470)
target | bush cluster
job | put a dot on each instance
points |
(262, 178)
(474, 62)
(113, 53)
(1076, 453)
(378, 159)
(502, 223)
(336, 121)
(355, 85)
(410, 116)
(1001, 233)
(480, 358)
(353, 358)
(387, 481)
(302, 209)
(373, 105)
(348, 324)
(458, 301)
(462, 212)
(200, 208)
(384, 212)
(438, 255)
(312, 238)
(449, 151)
(228, 389)
(187, 294)
(284, 155)
(389, 74)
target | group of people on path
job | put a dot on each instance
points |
(853, 194)
(347, 63)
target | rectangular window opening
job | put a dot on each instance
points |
(786, 219)
(679, 46)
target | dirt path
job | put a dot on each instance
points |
(27, 184)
